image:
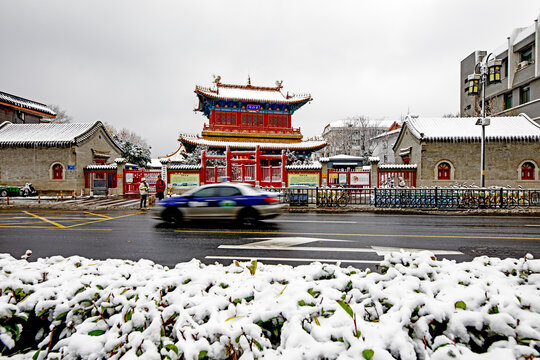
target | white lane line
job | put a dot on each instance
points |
(286, 241)
(296, 248)
(531, 225)
(291, 259)
(317, 221)
(382, 250)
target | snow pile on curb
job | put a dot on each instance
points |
(417, 308)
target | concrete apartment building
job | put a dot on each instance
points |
(519, 91)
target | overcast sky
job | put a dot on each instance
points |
(135, 63)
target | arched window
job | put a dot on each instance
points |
(57, 172)
(443, 171)
(527, 171)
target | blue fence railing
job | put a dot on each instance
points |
(418, 198)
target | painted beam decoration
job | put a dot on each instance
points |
(254, 108)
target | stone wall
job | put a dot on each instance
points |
(503, 161)
(21, 165)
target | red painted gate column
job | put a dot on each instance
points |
(228, 157)
(283, 173)
(258, 166)
(203, 167)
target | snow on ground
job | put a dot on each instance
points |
(417, 307)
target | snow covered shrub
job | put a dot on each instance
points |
(418, 308)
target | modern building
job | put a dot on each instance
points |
(18, 110)
(382, 145)
(519, 91)
(448, 151)
(351, 136)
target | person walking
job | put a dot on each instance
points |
(160, 188)
(143, 190)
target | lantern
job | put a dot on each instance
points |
(494, 69)
(474, 81)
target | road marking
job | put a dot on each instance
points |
(315, 221)
(100, 220)
(532, 225)
(295, 248)
(292, 259)
(383, 250)
(289, 244)
(360, 235)
(44, 219)
(103, 216)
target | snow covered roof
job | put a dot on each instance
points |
(502, 128)
(315, 166)
(341, 157)
(175, 156)
(22, 103)
(384, 123)
(154, 163)
(312, 144)
(63, 135)
(397, 166)
(251, 93)
(386, 134)
(101, 167)
(184, 167)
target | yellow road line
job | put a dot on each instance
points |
(360, 235)
(100, 220)
(28, 227)
(20, 223)
(66, 229)
(103, 216)
(44, 219)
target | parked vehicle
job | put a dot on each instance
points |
(28, 190)
(9, 190)
(231, 201)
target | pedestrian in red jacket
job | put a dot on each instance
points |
(160, 188)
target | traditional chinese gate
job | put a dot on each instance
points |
(396, 177)
(132, 180)
(244, 167)
(101, 177)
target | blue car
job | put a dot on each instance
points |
(228, 201)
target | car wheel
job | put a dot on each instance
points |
(171, 214)
(3, 193)
(248, 217)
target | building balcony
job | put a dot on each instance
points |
(251, 129)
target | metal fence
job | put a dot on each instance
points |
(456, 198)
(418, 198)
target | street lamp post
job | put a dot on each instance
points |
(488, 70)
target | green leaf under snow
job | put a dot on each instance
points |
(36, 355)
(259, 346)
(368, 354)
(62, 315)
(460, 305)
(172, 347)
(202, 354)
(346, 307)
(96, 332)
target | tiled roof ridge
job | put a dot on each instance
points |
(26, 103)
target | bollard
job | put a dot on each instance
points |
(39, 199)
(61, 195)
(7, 199)
(57, 199)
(73, 195)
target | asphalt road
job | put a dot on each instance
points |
(357, 239)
